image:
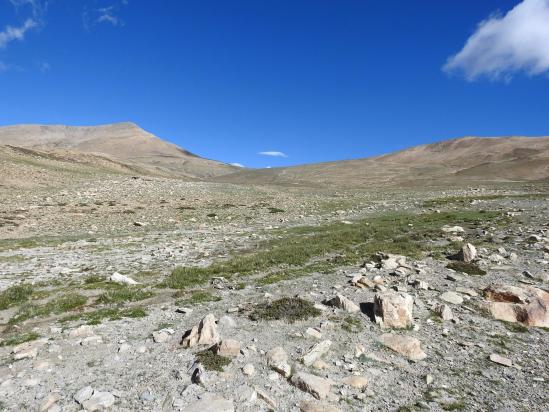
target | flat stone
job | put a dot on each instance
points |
(341, 302)
(210, 405)
(451, 297)
(315, 385)
(83, 394)
(494, 357)
(310, 406)
(405, 345)
(99, 401)
(316, 352)
(228, 348)
(356, 381)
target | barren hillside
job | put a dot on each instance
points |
(505, 159)
(122, 142)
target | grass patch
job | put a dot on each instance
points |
(201, 296)
(15, 295)
(276, 210)
(454, 406)
(469, 268)
(465, 200)
(19, 338)
(288, 309)
(352, 324)
(97, 316)
(212, 361)
(515, 327)
(59, 305)
(398, 233)
(124, 294)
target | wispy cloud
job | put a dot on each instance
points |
(237, 164)
(11, 33)
(506, 44)
(273, 153)
(3, 67)
(108, 15)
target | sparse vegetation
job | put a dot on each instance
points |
(352, 324)
(57, 305)
(465, 200)
(515, 327)
(288, 309)
(212, 361)
(398, 233)
(97, 316)
(201, 296)
(17, 339)
(124, 294)
(464, 267)
(15, 295)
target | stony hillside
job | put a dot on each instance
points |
(121, 142)
(469, 159)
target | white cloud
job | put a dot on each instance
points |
(3, 67)
(11, 33)
(237, 164)
(108, 14)
(273, 153)
(504, 45)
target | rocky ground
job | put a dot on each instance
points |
(266, 298)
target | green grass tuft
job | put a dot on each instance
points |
(97, 316)
(201, 296)
(58, 305)
(15, 295)
(124, 294)
(212, 361)
(352, 324)
(288, 309)
(19, 338)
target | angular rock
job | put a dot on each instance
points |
(228, 347)
(248, 369)
(210, 405)
(83, 394)
(81, 332)
(205, 333)
(310, 406)
(527, 305)
(99, 401)
(452, 297)
(49, 401)
(316, 352)
(122, 279)
(494, 357)
(393, 310)
(315, 385)
(160, 336)
(264, 396)
(341, 302)
(355, 381)
(468, 253)
(27, 349)
(405, 345)
(443, 311)
(277, 359)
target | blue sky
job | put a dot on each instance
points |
(313, 80)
